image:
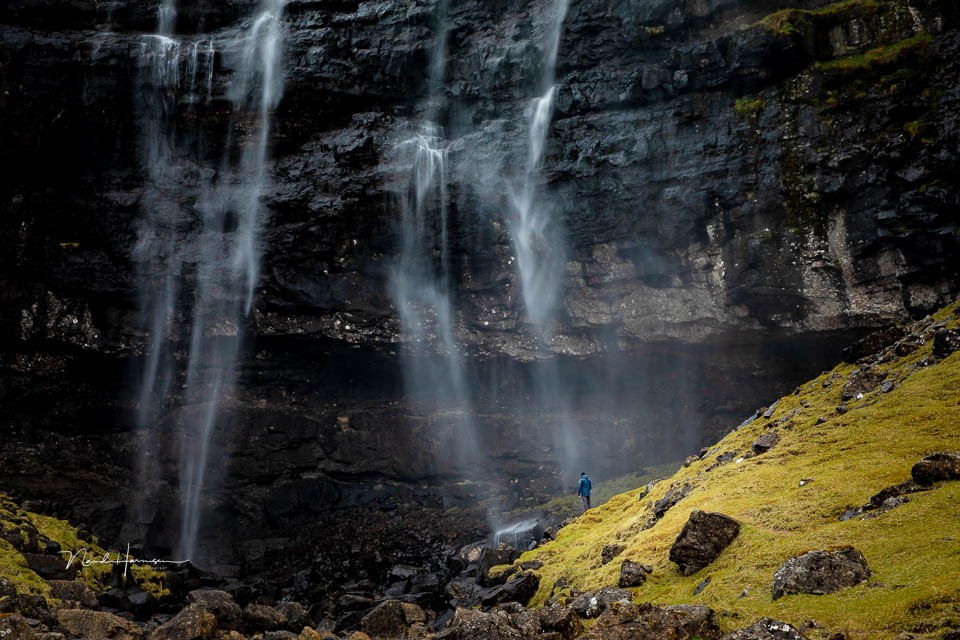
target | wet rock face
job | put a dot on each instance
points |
(726, 205)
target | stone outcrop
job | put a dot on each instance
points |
(98, 625)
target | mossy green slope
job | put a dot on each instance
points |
(789, 501)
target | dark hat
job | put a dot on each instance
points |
(583, 473)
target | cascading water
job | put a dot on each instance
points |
(538, 242)
(215, 240)
(533, 231)
(420, 283)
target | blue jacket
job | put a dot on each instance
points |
(583, 489)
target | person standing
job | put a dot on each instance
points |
(583, 490)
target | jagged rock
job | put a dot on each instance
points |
(872, 344)
(936, 467)
(765, 442)
(115, 599)
(562, 620)
(354, 602)
(625, 621)
(671, 498)
(263, 618)
(703, 584)
(490, 558)
(192, 623)
(7, 588)
(702, 539)
(945, 342)
(820, 572)
(73, 590)
(221, 604)
(862, 382)
(633, 574)
(524, 620)
(766, 629)
(387, 620)
(592, 603)
(531, 565)
(696, 620)
(297, 616)
(473, 625)
(280, 634)
(29, 606)
(98, 625)
(610, 551)
(15, 627)
(520, 589)
(902, 489)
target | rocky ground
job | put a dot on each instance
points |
(828, 514)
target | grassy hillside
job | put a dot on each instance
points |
(790, 499)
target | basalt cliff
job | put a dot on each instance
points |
(743, 187)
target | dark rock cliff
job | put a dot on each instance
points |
(742, 185)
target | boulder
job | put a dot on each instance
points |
(192, 623)
(820, 572)
(468, 624)
(387, 620)
(143, 604)
(702, 539)
(221, 604)
(97, 625)
(633, 574)
(115, 599)
(945, 342)
(297, 615)
(592, 603)
(519, 589)
(490, 558)
(561, 620)
(766, 629)
(15, 627)
(29, 606)
(7, 588)
(263, 618)
(354, 602)
(936, 467)
(73, 591)
(51, 567)
(610, 551)
(526, 621)
(765, 442)
(696, 620)
(626, 621)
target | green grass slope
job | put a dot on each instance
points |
(789, 500)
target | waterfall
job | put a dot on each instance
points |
(420, 284)
(539, 246)
(216, 240)
(533, 232)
